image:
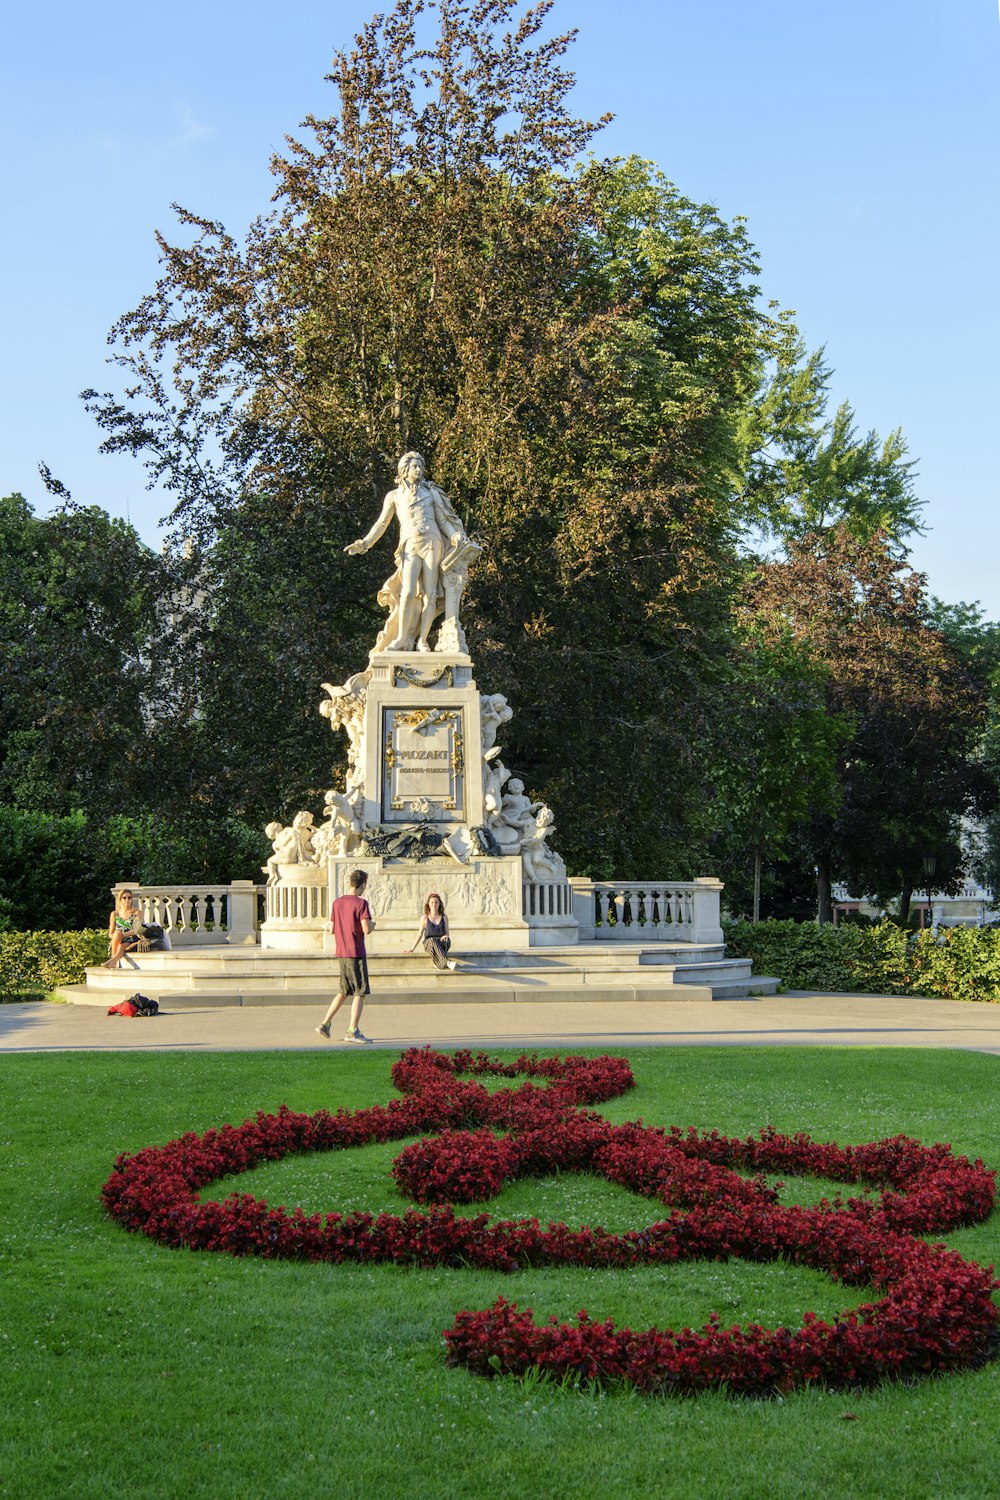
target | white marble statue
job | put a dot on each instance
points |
(341, 833)
(495, 773)
(433, 555)
(345, 708)
(520, 826)
(515, 819)
(517, 810)
(292, 845)
(538, 861)
(495, 710)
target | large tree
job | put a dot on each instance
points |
(777, 755)
(78, 617)
(574, 350)
(977, 641)
(908, 772)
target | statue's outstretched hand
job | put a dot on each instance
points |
(355, 547)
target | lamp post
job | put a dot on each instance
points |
(930, 864)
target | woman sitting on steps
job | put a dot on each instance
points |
(124, 931)
(434, 933)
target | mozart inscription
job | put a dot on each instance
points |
(423, 765)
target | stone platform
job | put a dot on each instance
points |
(589, 971)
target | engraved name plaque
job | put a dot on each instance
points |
(423, 752)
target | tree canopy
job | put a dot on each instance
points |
(572, 345)
(907, 771)
(581, 355)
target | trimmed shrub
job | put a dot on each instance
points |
(32, 963)
(962, 964)
(956, 963)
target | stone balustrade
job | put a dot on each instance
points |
(199, 915)
(548, 910)
(547, 898)
(626, 911)
(644, 911)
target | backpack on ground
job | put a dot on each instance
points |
(135, 1005)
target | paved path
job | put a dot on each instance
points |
(795, 1019)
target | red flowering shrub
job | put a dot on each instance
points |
(935, 1310)
(461, 1166)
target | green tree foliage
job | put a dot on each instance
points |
(807, 471)
(977, 641)
(573, 348)
(77, 617)
(907, 773)
(46, 871)
(778, 763)
(104, 765)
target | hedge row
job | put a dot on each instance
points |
(31, 963)
(957, 963)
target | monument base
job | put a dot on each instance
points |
(489, 905)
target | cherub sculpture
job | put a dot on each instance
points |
(538, 861)
(345, 708)
(292, 845)
(341, 833)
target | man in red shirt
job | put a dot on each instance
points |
(350, 922)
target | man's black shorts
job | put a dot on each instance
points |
(354, 976)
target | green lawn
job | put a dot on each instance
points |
(131, 1370)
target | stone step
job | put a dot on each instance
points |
(615, 956)
(320, 978)
(202, 975)
(506, 986)
(506, 993)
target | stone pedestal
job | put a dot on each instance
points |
(490, 907)
(298, 910)
(707, 924)
(242, 913)
(416, 782)
(422, 740)
(484, 901)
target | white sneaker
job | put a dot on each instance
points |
(452, 964)
(358, 1036)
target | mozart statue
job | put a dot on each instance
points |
(432, 563)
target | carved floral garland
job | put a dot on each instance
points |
(934, 1309)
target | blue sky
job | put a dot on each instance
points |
(858, 137)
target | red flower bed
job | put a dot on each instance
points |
(935, 1310)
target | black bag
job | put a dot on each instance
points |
(144, 1006)
(152, 934)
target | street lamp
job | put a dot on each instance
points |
(930, 864)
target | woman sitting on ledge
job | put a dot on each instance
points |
(434, 933)
(124, 931)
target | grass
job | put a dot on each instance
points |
(130, 1369)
